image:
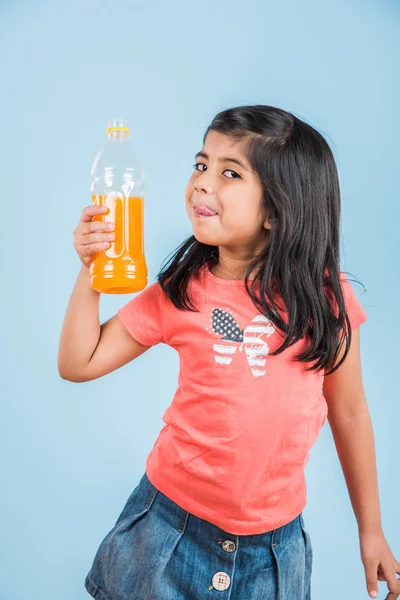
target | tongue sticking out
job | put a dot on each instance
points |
(205, 210)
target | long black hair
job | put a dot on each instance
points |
(300, 262)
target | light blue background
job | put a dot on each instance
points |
(72, 453)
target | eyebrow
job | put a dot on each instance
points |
(222, 159)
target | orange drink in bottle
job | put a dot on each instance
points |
(118, 184)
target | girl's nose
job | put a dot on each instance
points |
(202, 185)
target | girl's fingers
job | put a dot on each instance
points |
(93, 248)
(94, 226)
(93, 238)
(93, 235)
(91, 211)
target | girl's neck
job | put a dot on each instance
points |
(228, 268)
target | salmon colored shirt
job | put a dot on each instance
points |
(239, 429)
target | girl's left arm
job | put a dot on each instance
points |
(352, 431)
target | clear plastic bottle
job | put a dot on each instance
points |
(118, 184)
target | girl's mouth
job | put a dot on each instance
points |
(204, 211)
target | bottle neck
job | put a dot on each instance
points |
(117, 135)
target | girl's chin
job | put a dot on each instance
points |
(205, 239)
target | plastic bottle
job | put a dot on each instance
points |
(118, 184)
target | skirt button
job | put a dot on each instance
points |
(221, 581)
(229, 546)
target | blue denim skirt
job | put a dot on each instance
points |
(158, 551)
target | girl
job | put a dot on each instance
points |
(267, 330)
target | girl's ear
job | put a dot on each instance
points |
(267, 223)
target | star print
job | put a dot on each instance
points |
(224, 323)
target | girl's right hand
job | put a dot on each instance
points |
(92, 236)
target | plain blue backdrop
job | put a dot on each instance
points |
(72, 453)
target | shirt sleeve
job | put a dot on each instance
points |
(142, 315)
(357, 314)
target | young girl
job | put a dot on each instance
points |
(266, 327)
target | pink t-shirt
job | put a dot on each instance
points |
(240, 426)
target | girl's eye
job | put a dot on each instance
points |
(230, 170)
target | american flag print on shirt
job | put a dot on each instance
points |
(251, 338)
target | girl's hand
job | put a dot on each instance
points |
(379, 564)
(92, 236)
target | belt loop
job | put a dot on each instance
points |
(276, 536)
(151, 491)
(182, 519)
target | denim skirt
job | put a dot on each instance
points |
(158, 551)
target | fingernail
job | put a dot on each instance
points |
(373, 594)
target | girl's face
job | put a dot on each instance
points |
(233, 191)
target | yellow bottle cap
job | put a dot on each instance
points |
(117, 125)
